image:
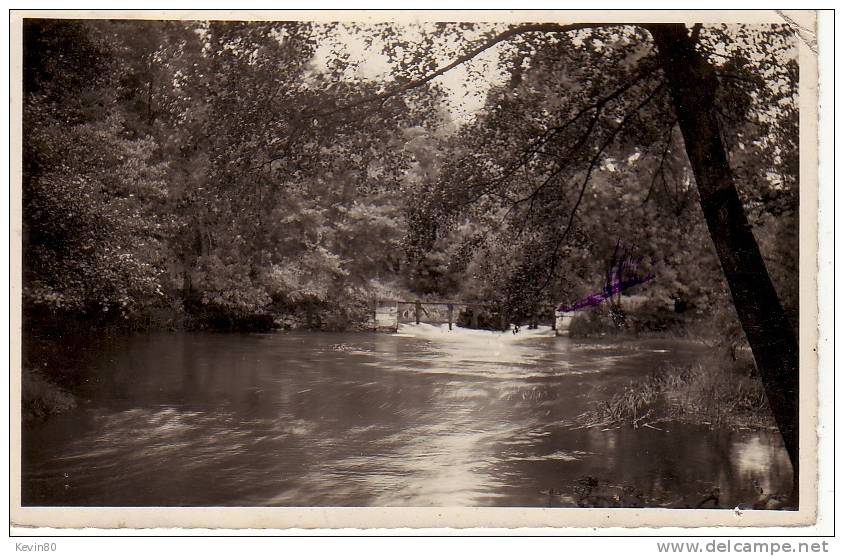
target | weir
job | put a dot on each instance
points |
(562, 322)
(388, 314)
(386, 317)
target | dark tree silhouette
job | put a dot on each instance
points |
(693, 86)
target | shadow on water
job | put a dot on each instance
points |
(426, 417)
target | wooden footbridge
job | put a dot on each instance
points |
(390, 313)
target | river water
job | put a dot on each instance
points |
(426, 417)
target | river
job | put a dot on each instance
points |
(426, 417)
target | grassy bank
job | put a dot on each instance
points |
(715, 391)
(41, 397)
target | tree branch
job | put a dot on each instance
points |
(696, 32)
(489, 43)
(643, 71)
(658, 170)
(598, 106)
(592, 164)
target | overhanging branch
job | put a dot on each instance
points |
(592, 165)
(534, 148)
(489, 43)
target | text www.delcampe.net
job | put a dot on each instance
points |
(743, 546)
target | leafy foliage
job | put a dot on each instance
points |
(233, 169)
(205, 166)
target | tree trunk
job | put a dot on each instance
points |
(693, 85)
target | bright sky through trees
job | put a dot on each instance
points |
(367, 61)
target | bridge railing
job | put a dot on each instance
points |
(389, 313)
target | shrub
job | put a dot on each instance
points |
(595, 322)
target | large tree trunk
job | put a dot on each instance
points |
(693, 85)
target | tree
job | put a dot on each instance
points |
(92, 235)
(295, 205)
(693, 86)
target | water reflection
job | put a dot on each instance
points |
(421, 418)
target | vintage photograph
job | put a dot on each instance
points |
(418, 262)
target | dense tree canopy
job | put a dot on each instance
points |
(235, 164)
(199, 165)
(584, 128)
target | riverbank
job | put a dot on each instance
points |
(41, 397)
(716, 391)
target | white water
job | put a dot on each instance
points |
(487, 352)
(469, 335)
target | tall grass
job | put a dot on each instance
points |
(714, 391)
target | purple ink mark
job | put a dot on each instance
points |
(621, 275)
(597, 298)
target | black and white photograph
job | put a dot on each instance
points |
(417, 260)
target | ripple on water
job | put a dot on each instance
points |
(559, 455)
